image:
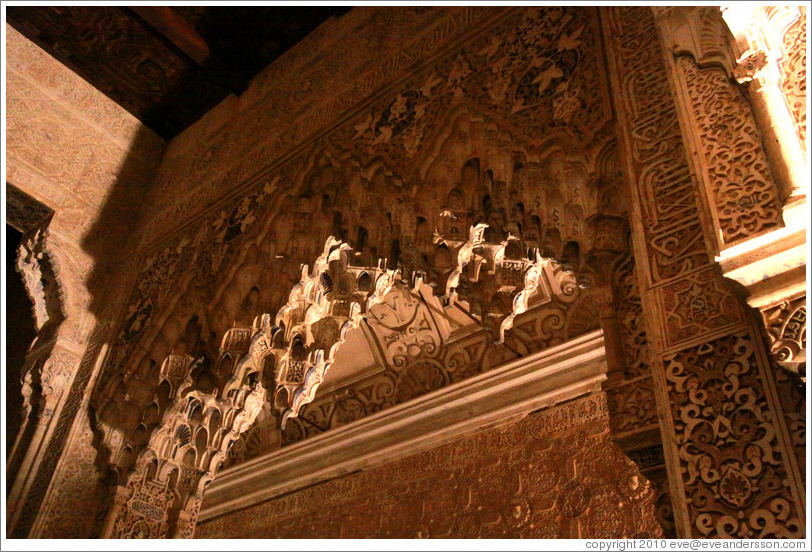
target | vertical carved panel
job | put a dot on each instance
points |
(728, 443)
(793, 66)
(792, 392)
(55, 445)
(739, 182)
(672, 227)
(78, 484)
(728, 467)
(630, 316)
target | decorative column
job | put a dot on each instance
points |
(726, 441)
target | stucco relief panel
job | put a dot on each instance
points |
(793, 67)
(728, 443)
(741, 187)
(553, 474)
(210, 245)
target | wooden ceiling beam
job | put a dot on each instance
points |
(177, 30)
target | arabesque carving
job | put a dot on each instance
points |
(728, 442)
(741, 187)
(553, 474)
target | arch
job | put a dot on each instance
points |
(126, 458)
(455, 201)
(140, 435)
(183, 435)
(364, 282)
(151, 469)
(201, 441)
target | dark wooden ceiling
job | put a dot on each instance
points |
(168, 65)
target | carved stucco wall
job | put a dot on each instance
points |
(76, 151)
(301, 95)
(470, 132)
(489, 115)
(458, 105)
(554, 474)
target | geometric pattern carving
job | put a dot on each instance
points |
(697, 304)
(531, 479)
